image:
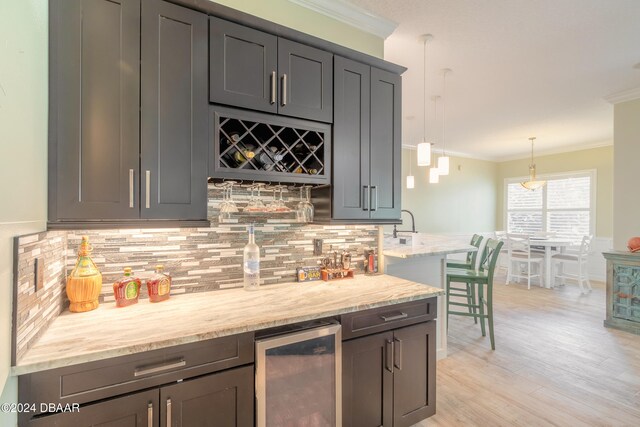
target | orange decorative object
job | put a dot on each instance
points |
(634, 244)
(85, 281)
(127, 289)
(159, 286)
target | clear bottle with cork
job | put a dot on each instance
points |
(85, 281)
(127, 289)
(159, 285)
(251, 263)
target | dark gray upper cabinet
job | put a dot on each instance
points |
(243, 66)
(94, 96)
(174, 116)
(351, 139)
(256, 70)
(386, 148)
(306, 78)
(128, 127)
(367, 148)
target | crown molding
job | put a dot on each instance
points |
(623, 96)
(351, 14)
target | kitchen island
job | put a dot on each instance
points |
(422, 259)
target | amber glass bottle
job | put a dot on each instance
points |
(85, 281)
(127, 289)
(159, 285)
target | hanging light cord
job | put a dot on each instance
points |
(444, 106)
(424, 93)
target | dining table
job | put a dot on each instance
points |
(549, 245)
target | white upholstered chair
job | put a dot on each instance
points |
(523, 263)
(577, 256)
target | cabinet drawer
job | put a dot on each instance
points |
(385, 318)
(110, 377)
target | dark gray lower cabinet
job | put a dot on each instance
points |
(136, 410)
(389, 378)
(224, 399)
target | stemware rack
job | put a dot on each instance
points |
(261, 147)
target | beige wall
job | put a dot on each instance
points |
(600, 159)
(23, 151)
(626, 196)
(299, 18)
(462, 202)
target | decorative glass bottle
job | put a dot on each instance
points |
(85, 281)
(127, 289)
(159, 285)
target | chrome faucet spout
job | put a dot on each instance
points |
(413, 224)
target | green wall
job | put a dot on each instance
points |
(600, 159)
(23, 152)
(626, 196)
(307, 21)
(462, 202)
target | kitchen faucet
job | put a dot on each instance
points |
(413, 224)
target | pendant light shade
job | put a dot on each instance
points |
(434, 176)
(411, 182)
(533, 183)
(424, 154)
(443, 165)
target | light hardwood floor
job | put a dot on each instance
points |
(555, 364)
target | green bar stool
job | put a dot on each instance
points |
(470, 262)
(482, 308)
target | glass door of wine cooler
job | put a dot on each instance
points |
(298, 379)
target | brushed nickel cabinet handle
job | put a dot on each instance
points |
(160, 368)
(388, 358)
(148, 189)
(131, 188)
(397, 355)
(284, 90)
(273, 87)
(365, 198)
(168, 412)
(150, 415)
(374, 187)
(387, 318)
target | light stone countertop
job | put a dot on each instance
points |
(109, 331)
(425, 245)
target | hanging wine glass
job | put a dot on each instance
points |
(304, 210)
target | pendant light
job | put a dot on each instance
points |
(410, 178)
(533, 183)
(424, 148)
(434, 176)
(443, 160)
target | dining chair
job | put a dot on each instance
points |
(521, 254)
(478, 283)
(470, 260)
(578, 256)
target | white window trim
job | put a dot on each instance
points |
(593, 173)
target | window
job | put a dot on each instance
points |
(565, 206)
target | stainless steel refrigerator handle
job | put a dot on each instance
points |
(284, 90)
(131, 188)
(273, 87)
(148, 189)
(160, 368)
(397, 358)
(150, 415)
(168, 412)
(388, 358)
(365, 196)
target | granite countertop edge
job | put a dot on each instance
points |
(36, 359)
(424, 251)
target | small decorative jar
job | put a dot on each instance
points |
(127, 289)
(85, 281)
(159, 285)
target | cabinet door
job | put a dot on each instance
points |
(414, 380)
(94, 95)
(242, 66)
(367, 381)
(385, 144)
(174, 112)
(224, 399)
(351, 91)
(135, 410)
(306, 79)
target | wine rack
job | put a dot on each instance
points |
(261, 147)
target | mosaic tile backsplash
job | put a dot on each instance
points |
(198, 259)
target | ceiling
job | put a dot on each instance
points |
(521, 68)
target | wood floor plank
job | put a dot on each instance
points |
(555, 364)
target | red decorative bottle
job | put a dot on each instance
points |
(159, 285)
(127, 289)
